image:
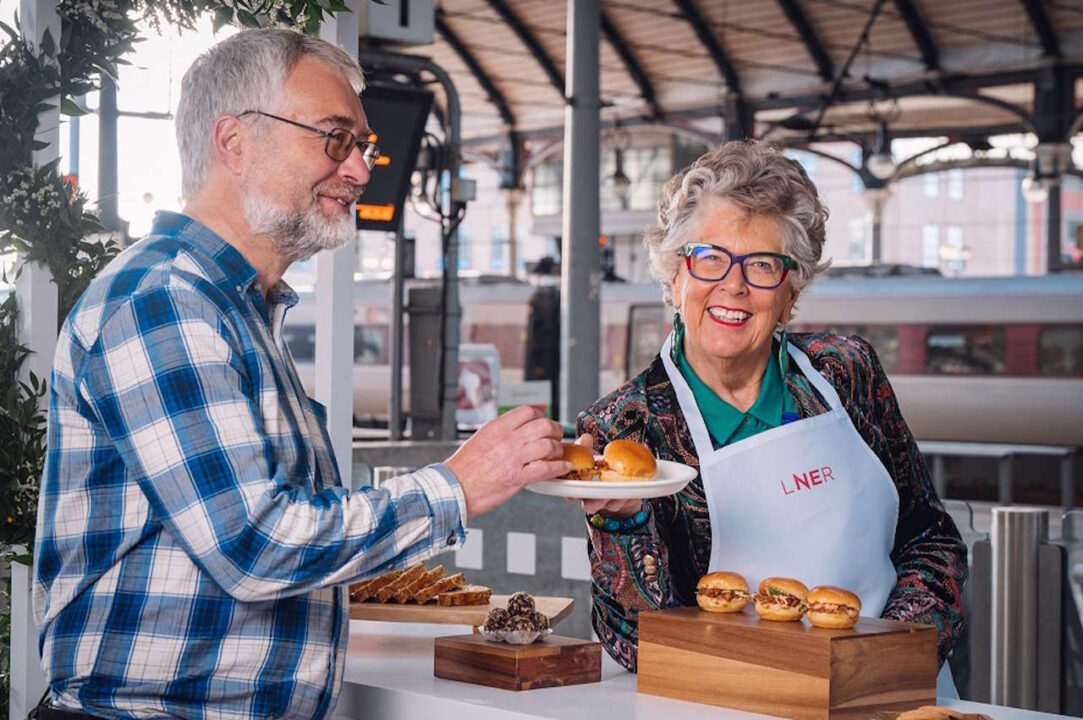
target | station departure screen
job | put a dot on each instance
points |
(397, 116)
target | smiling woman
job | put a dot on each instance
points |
(762, 414)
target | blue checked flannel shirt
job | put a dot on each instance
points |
(193, 535)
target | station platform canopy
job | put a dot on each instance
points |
(794, 71)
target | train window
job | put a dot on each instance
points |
(965, 351)
(649, 325)
(368, 346)
(884, 340)
(1060, 351)
(301, 340)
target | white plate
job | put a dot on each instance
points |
(671, 478)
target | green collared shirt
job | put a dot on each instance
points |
(725, 423)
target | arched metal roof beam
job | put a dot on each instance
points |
(556, 78)
(631, 64)
(812, 41)
(714, 48)
(1043, 25)
(920, 32)
(455, 42)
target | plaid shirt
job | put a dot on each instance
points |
(193, 535)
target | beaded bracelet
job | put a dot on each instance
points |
(610, 524)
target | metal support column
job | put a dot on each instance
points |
(334, 302)
(580, 324)
(394, 403)
(1054, 242)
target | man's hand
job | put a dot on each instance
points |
(516, 449)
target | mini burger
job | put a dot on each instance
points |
(833, 607)
(722, 592)
(627, 461)
(781, 599)
(583, 467)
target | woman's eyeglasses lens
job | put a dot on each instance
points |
(761, 270)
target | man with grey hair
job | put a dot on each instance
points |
(193, 534)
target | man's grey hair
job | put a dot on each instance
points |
(756, 178)
(247, 71)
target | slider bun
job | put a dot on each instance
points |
(835, 595)
(578, 456)
(771, 611)
(628, 461)
(786, 585)
(722, 581)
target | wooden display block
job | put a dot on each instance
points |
(788, 669)
(551, 662)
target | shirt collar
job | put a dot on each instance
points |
(723, 419)
(229, 259)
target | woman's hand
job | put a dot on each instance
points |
(613, 508)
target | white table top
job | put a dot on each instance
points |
(389, 674)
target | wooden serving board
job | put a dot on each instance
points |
(551, 662)
(555, 608)
(788, 669)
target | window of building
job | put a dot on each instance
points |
(1060, 351)
(955, 184)
(545, 187)
(858, 247)
(857, 185)
(930, 246)
(649, 168)
(807, 161)
(931, 183)
(965, 351)
(498, 247)
(466, 249)
(369, 343)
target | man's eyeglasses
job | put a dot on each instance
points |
(340, 141)
(710, 263)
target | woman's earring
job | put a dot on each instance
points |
(783, 349)
(678, 332)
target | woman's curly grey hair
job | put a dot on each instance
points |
(246, 71)
(760, 180)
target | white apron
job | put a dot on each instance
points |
(808, 500)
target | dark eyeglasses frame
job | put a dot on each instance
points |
(788, 263)
(370, 152)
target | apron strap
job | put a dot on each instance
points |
(701, 438)
(826, 390)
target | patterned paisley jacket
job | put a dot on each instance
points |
(659, 564)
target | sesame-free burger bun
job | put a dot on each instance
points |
(582, 462)
(833, 607)
(628, 461)
(722, 592)
(782, 599)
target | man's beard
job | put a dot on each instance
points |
(300, 235)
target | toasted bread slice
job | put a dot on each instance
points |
(469, 595)
(429, 592)
(408, 592)
(413, 573)
(361, 591)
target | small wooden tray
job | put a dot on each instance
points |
(555, 608)
(554, 661)
(789, 669)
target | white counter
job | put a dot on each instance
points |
(389, 675)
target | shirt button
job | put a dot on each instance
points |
(451, 540)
